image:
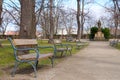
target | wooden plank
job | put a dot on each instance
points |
(24, 42)
(33, 56)
(56, 41)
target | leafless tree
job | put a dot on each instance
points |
(11, 15)
(27, 21)
(1, 2)
(81, 17)
(78, 19)
(51, 22)
(116, 16)
(45, 18)
(114, 11)
(68, 20)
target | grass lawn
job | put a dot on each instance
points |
(118, 46)
(7, 56)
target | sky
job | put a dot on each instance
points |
(96, 7)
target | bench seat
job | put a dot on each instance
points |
(62, 48)
(32, 56)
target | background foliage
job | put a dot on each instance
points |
(94, 30)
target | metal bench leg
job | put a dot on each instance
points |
(52, 61)
(65, 52)
(62, 53)
(34, 67)
(36, 64)
(55, 54)
(15, 67)
(70, 52)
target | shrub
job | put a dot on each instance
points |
(93, 30)
(106, 32)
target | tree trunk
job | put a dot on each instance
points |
(82, 19)
(51, 23)
(78, 19)
(1, 2)
(116, 13)
(117, 4)
(27, 23)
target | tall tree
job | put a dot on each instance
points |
(1, 2)
(118, 4)
(82, 18)
(51, 22)
(27, 22)
(116, 16)
(78, 19)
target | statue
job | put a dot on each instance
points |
(99, 35)
(99, 25)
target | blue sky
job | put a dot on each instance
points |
(96, 7)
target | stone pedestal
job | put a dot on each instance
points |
(99, 36)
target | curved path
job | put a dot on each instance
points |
(98, 61)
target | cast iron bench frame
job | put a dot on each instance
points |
(114, 42)
(79, 44)
(21, 45)
(62, 48)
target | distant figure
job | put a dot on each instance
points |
(99, 25)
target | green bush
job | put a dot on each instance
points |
(93, 30)
(106, 32)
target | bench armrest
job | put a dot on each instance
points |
(36, 52)
(68, 45)
(44, 47)
(24, 49)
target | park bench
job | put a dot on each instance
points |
(113, 42)
(79, 44)
(69, 39)
(28, 51)
(62, 48)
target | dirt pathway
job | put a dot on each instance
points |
(98, 61)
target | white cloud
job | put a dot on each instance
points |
(97, 11)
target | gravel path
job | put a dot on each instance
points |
(98, 61)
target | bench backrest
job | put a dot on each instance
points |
(25, 42)
(57, 41)
(22, 44)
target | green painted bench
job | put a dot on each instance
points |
(28, 51)
(113, 42)
(79, 44)
(62, 48)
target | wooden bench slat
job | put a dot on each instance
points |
(44, 56)
(22, 42)
(27, 57)
(61, 49)
(33, 56)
